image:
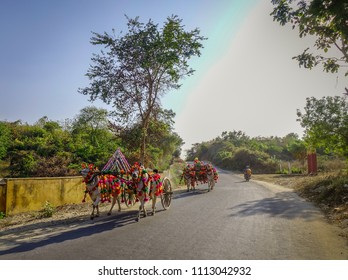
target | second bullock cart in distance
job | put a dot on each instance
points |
(199, 172)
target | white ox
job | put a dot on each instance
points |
(189, 176)
(211, 176)
(156, 188)
(93, 181)
(140, 180)
(147, 187)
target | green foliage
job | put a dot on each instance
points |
(259, 161)
(234, 150)
(223, 156)
(293, 169)
(332, 190)
(2, 215)
(296, 170)
(48, 210)
(49, 148)
(22, 163)
(237, 138)
(324, 19)
(331, 163)
(286, 154)
(56, 165)
(4, 139)
(139, 67)
(216, 151)
(175, 172)
(163, 144)
(297, 149)
(326, 124)
(92, 140)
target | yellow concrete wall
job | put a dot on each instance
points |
(3, 196)
(30, 194)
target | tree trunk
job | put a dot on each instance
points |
(143, 143)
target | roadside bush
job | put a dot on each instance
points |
(335, 191)
(55, 166)
(331, 190)
(176, 171)
(259, 162)
(293, 167)
(330, 164)
(296, 170)
(48, 210)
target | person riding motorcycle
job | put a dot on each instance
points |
(247, 173)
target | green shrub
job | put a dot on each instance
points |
(259, 162)
(176, 171)
(48, 210)
(296, 170)
(331, 190)
(330, 164)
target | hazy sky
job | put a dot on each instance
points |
(244, 80)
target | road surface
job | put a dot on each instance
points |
(236, 221)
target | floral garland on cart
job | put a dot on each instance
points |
(112, 178)
(115, 179)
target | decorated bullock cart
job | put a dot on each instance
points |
(125, 184)
(199, 172)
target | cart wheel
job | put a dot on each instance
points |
(166, 196)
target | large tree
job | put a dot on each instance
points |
(326, 124)
(327, 20)
(139, 67)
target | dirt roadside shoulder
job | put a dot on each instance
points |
(335, 214)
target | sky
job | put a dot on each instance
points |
(244, 80)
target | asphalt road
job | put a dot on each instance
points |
(237, 220)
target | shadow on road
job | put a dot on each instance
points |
(89, 228)
(41, 234)
(185, 193)
(284, 204)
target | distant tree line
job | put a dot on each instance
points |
(52, 148)
(234, 150)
